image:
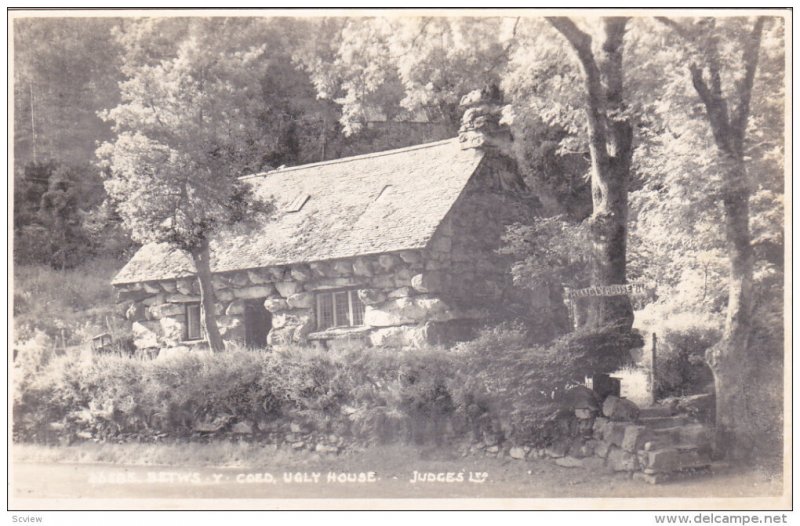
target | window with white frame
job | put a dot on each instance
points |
(339, 308)
(192, 330)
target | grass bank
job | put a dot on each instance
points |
(75, 304)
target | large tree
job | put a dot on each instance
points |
(723, 59)
(187, 126)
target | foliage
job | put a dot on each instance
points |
(70, 74)
(183, 134)
(187, 127)
(343, 393)
(405, 66)
(551, 250)
(519, 385)
(54, 216)
(681, 193)
(682, 340)
(498, 385)
(410, 68)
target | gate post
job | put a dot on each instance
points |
(653, 370)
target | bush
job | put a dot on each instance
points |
(682, 340)
(497, 387)
(367, 395)
(512, 389)
(680, 357)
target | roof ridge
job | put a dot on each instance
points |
(352, 158)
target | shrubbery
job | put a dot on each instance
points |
(365, 395)
(681, 369)
(494, 388)
(518, 387)
(683, 336)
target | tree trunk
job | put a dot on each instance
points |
(33, 124)
(611, 149)
(208, 317)
(729, 359)
(609, 230)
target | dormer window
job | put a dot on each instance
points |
(386, 190)
(297, 203)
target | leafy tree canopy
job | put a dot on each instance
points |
(187, 126)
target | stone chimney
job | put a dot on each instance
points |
(480, 125)
(481, 129)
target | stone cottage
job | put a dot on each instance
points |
(395, 248)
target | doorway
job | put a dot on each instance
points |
(257, 323)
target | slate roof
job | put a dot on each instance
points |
(368, 204)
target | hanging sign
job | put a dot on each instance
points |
(606, 290)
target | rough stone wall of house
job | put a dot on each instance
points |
(478, 277)
(399, 292)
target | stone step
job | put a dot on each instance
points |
(658, 422)
(655, 411)
(697, 435)
(675, 458)
(662, 477)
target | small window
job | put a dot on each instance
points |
(297, 203)
(193, 329)
(386, 190)
(341, 308)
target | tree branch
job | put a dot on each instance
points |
(422, 28)
(495, 61)
(711, 52)
(612, 47)
(710, 95)
(580, 41)
(744, 89)
(595, 96)
(683, 32)
(716, 108)
(692, 37)
(700, 85)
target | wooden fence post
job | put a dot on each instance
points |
(653, 370)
